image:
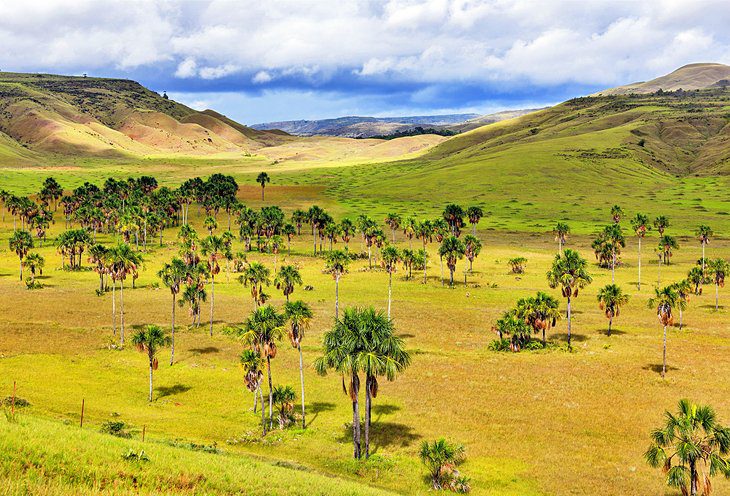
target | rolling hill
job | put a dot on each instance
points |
(42, 113)
(688, 77)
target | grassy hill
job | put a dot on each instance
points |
(688, 77)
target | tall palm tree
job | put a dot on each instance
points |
(262, 179)
(690, 447)
(474, 214)
(336, 263)
(472, 247)
(263, 328)
(640, 225)
(718, 268)
(409, 230)
(362, 341)
(252, 363)
(21, 243)
(704, 233)
(616, 213)
(256, 275)
(569, 273)
(215, 248)
(149, 340)
(393, 221)
(615, 237)
(285, 280)
(665, 300)
(452, 249)
(173, 274)
(561, 232)
(124, 261)
(390, 256)
(424, 231)
(610, 299)
(299, 316)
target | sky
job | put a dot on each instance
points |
(271, 60)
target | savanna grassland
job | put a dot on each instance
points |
(536, 422)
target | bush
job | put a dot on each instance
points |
(135, 456)
(19, 402)
(115, 428)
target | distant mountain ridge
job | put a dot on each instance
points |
(689, 77)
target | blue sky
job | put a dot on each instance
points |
(274, 60)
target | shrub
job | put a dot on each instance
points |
(116, 428)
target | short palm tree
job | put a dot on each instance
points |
(452, 249)
(440, 457)
(718, 269)
(336, 263)
(393, 221)
(568, 272)
(253, 364)
(473, 248)
(683, 288)
(34, 262)
(665, 301)
(661, 223)
(262, 179)
(21, 243)
(173, 274)
(667, 243)
(610, 299)
(616, 213)
(517, 264)
(263, 328)
(299, 316)
(285, 280)
(561, 232)
(474, 214)
(640, 225)
(696, 277)
(690, 447)
(149, 340)
(256, 275)
(704, 233)
(390, 256)
(539, 312)
(210, 224)
(283, 398)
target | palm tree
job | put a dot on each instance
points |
(173, 274)
(34, 262)
(517, 264)
(284, 397)
(252, 363)
(21, 243)
(124, 261)
(718, 268)
(665, 300)
(640, 225)
(262, 179)
(569, 273)
(424, 231)
(393, 221)
(661, 223)
(452, 249)
(474, 214)
(263, 328)
(690, 448)
(454, 215)
(683, 288)
(696, 277)
(440, 457)
(704, 233)
(472, 247)
(615, 238)
(299, 316)
(561, 232)
(285, 280)
(666, 244)
(616, 214)
(149, 340)
(539, 312)
(390, 257)
(610, 299)
(210, 224)
(215, 248)
(363, 341)
(256, 275)
(336, 263)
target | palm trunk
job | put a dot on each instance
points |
(355, 416)
(569, 322)
(442, 270)
(717, 296)
(451, 277)
(256, 398)
(263, 411)
(425, 266)
(271, 394)
(121, 309)
(370, 257)
(301, 380)
(114, 306)
(150, 397)
(337, 297)
(610, 322)
(21, 269)
(638, 284)
(664, 353)
(262, 192)
(368, 402)
(613, 265)
(693, 478)
(680, 318)
(703, 258)
(390, 290)
(172, 342)
(212, 300)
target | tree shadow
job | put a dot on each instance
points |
(712, 307)
(317, 407)
(387, 434)
(205, 351)
(614, 331)
(406, 335)
(563, 336)
(163, 391)
(657, 367)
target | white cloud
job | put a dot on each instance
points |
(262, 77)
(187, 68)
(218, 72)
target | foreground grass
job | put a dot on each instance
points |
(44, 457)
